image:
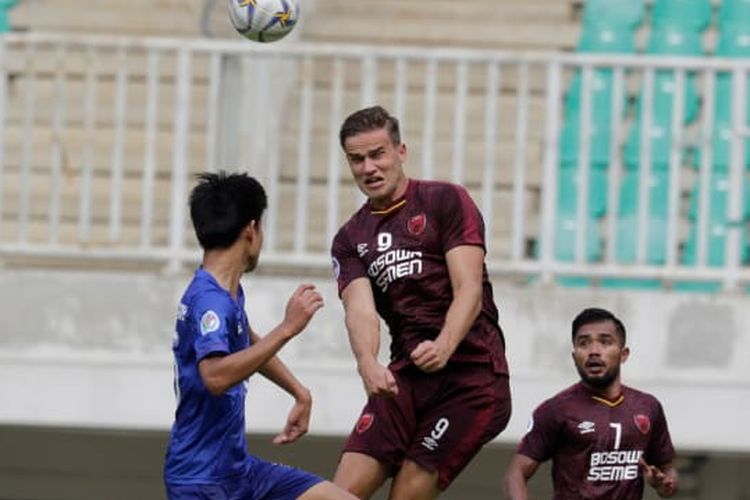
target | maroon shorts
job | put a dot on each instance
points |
(438, 420)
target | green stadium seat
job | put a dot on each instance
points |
(614, 13)
(606, 39)
(661, 144)
(626, 252)
(722, 148)
(691, 15)
(658, 194)
(570, 140)
(566, 231)
(674, 40)
(734, 13)
(568, 185)
(718, 198)
(715, 255)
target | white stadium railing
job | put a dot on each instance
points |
(102, 137)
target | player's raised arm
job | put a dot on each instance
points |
(465, 267)
(519, 471)
(219, 373)
(363, 327)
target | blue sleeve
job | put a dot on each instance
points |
(212, 313)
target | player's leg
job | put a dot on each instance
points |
(474, 408)
(413, 482)
(360, 474)
(326, 491)
(378, 443)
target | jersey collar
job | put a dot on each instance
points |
(400, 202)
(600, 399)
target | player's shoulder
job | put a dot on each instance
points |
(353, 222)
(639, 396)
(435, 187)
(566, 396)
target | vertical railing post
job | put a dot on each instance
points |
(549, 188)
(179, 162)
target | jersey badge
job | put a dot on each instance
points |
(364, 423)
(210, 322)
(336, 267)
(586, 427)
(642, 422)
(417, 224)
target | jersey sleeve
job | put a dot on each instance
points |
(212, 314)
(461, 222)
(660, 450)
(541, 436)
(347, 266)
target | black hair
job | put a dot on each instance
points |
(222, 204)
(597, 315)
(368, 119)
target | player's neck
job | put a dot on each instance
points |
(611, 392)
(225, 268)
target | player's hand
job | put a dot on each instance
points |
(431, 355)
(302, 305)
(664, 484)
(378, 380)
(297, 422)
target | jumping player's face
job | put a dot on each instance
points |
(377, 166)
(598, 353)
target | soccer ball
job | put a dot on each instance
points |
(264, 20)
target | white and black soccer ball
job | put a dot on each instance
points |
(264, 20)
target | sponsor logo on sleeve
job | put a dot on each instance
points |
(182, 311)
(336, 267)
(530, 424)
(210, 322)
(417, 224)
(364, 423)
(642, 422)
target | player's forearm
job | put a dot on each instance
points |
(221, 373)
(515, 486)
(277, 372)
(461, 315)
(364, 339)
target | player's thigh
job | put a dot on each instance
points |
(360, 474)
(326, 490)
(453, 430)
(386, 426)
(272, 481)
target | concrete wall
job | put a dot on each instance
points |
(93, 350)
(86, 380)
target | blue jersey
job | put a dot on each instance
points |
(207, 442)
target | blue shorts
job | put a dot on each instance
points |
(264, 481)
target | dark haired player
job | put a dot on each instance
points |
(215, 352)
(413, 255)
(603, 437)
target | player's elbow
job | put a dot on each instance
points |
(212, 378)
(214, 387)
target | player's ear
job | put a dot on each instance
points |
(624, 354)
(402, 151)
(249, 232)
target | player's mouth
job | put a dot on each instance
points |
(595, 367)
(374, 182)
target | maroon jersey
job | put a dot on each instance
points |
(402, 251)
(595, 444)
